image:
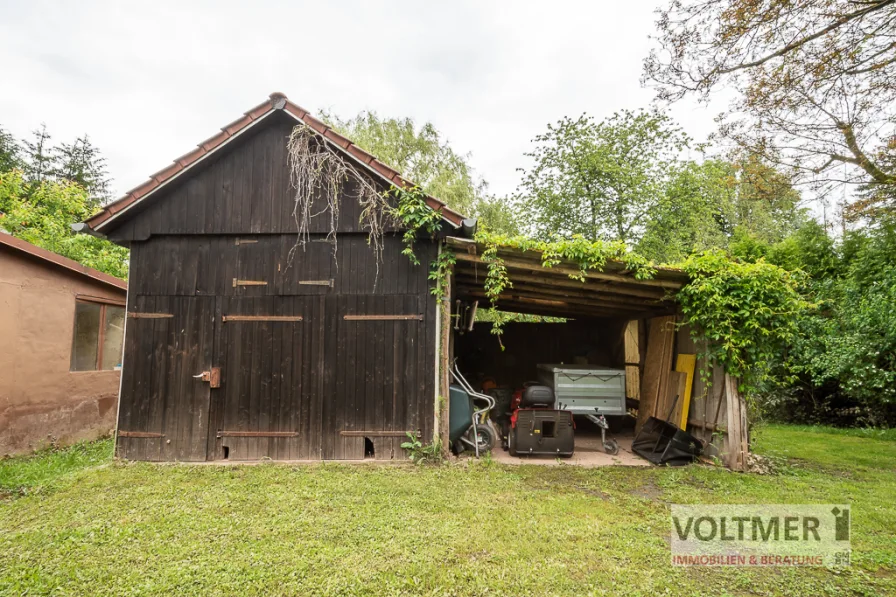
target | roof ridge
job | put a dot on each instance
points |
(276, 101)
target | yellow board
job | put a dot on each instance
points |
(686, 363)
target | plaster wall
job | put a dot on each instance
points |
(41, 400)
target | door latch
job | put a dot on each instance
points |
(212, 376)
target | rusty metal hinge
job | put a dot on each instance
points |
(135, 315)
(381, 317)
(258, 434)
(317, 282)
(226, 318)
(378, 433)
(212, 376)
(245, 241)
(238, 282)
(140, 434)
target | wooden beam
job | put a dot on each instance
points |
(670, 278)
(550, 290)
(534, 266)
(443, 402)
(564, 281)
(528, 294)
(554, 309)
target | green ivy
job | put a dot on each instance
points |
(742, 315)
(587, 254)
(440, 271)
(415, 216)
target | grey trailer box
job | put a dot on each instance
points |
(582, 388)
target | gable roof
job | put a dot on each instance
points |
(276, 102)
(21, 246)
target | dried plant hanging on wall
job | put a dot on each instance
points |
(319, 171)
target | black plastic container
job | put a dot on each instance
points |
(542, 432)
(664, 443)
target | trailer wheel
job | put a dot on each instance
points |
(611, 447)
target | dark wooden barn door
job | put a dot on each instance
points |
(374, 381)
(268, 405)
(164, 406)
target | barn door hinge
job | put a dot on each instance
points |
(317, 282)
(245, 241)
(238, 282)
(212, 376)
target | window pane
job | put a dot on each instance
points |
(113, 338)
(86, 337)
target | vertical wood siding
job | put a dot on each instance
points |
(222, 242)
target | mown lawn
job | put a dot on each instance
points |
(88, 526)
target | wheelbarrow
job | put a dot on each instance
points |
(468, 425)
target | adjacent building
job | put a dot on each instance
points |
(61, 335)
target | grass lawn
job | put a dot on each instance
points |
(75, 523)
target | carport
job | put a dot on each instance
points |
(604, 318)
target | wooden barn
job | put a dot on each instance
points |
(243, 344)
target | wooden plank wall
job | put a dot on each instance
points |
(315, 378)
(160, 399)
(221, 240)
(242, 189)
(708, 414)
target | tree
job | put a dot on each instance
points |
(40, 159)
(816, 81)
(599, 179)
(691, 215)
(10, 152)
(744, 206)
(42, 214)
(80, 162)
(420, 154)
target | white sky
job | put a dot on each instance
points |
(149, 80)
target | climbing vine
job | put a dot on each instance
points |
(320, 178)
(585, 254)
(415, 216)
(742, 315)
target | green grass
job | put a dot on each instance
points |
(466, 529)
(40, 470)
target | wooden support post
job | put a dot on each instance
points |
(444, 367)
(738, 447)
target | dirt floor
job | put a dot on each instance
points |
(589, 450)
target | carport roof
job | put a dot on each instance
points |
(549, 291)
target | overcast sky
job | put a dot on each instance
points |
(149, 80)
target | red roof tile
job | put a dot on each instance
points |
(7, 240)
(276, 101)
